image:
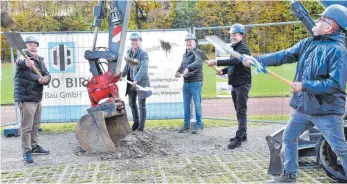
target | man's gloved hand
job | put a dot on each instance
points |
(250, 60)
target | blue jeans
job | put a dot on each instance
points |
(330, 126)
(192, 90)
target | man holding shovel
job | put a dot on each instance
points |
(319, 88)
(28, 88)
(191, 68)
(240, 78)
(138, 75)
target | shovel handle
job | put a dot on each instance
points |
(28, 60)
(138, 86)
(280, 78)
(214, 68)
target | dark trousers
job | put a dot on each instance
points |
(139, 121)
(239, 94)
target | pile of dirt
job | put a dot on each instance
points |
(136, 145)
(139, 144)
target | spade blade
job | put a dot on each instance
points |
(201, 54)
(15, 40)
(144, 93)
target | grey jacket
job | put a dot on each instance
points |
(322, 69)
(26, 81)
(194, 64)
(139, 73)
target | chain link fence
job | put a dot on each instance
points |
(268, 97)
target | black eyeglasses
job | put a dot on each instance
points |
(321, 19)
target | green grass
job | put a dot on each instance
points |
(263, 85)
(6, 84)
(158, 124)
(209, 83)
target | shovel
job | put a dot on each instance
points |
(132, 62)
(141, 91)
(221, 45)
(16, 41)
(187, 74)
(204, 58)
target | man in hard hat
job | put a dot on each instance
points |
(319, 88)
(28, 88)
(240, 78)
(138, 75)
(191, 69)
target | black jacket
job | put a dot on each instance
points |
(194, 64)
(238, 74)
(26, 81)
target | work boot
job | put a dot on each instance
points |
(38, 150)
(243, 138)
(285, 178)
(184, 128)
(28, 157)
(235, 143)
(196, 129)
(135, 126)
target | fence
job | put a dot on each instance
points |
(65, 99)
(269, 97)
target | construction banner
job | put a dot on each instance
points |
(66, 98)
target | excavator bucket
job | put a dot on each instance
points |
(306, 147)
(100, 129)
(106, 123)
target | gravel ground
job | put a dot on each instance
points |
(153, 143)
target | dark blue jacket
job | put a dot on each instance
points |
(26, 81)
(322, 69)
(194, 64)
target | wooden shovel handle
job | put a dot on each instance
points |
(34, 67)
(211, 66)
(280, 78)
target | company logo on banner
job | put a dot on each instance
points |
(66, 98)
(61, 57)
